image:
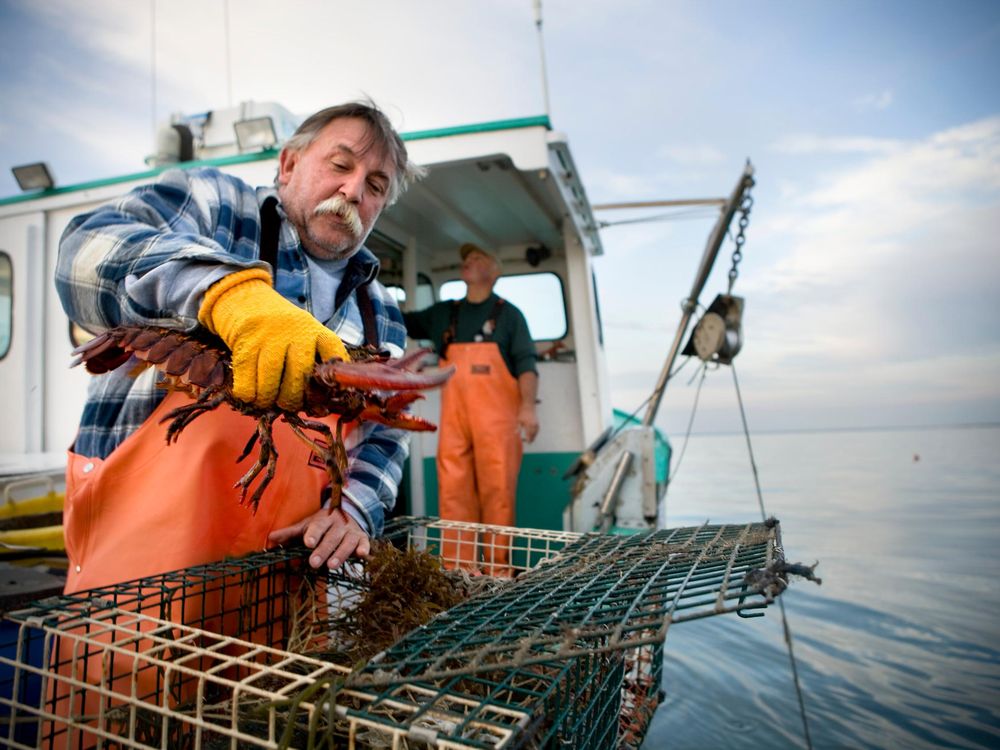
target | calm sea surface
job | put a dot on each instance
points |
(899, 647)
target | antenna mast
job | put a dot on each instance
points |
(229, 57)
(152, 64)
(541, 52)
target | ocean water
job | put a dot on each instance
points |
(899, 646)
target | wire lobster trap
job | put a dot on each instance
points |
(567, 651)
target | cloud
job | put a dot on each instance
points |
(93, 63)
(878, 101)
(803, 144)
(312, 54)
(611, 186)
(892, 260)
(871, 295)
(122, 36)
(696, 153)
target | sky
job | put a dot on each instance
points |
(871, 266)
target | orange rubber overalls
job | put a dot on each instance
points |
(479, 453)
(151, 508)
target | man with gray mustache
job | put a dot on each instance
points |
(338, 206)
(281, 274)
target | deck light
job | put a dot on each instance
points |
(536, 254)
(33, 176)
(255, 133)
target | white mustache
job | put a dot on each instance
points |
(340, 206)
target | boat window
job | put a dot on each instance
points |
(425, 292)
(538, 295)
(6, 302)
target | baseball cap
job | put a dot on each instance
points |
(470, 247)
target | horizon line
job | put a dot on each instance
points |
(878, 428)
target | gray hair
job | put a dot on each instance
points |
(381, 135)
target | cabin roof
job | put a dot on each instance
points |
(264, 155)
(530, 185)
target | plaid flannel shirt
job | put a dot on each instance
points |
(203, 216)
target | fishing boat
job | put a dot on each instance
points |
(510, 185)
(594, 474)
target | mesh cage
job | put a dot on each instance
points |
(567, 652)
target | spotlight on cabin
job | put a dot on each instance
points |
(536, 254)
(33, 176)
(255, 134)
(174, 144)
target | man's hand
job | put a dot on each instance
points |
(527, 418)
(275, 344)
(332, 536)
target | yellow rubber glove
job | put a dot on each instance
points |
(274, 343)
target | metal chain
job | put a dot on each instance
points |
(744, 221)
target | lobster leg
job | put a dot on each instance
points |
(340, 457)
(300, 425)
(332, 453)
(266, 458)
(182, 416)
(249, 446)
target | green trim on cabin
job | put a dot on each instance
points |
(225, 161)
(483, 127)
(542, 493)
(221, 161)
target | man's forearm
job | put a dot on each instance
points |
(375, 469)
(527, 383)
(527, 416)
(123, 240)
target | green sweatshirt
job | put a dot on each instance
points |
(511, 335)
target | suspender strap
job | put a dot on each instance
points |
(449, 335)
(486, 332)
(368, 316)
(270, 229)
(270, 232)
(491, 322)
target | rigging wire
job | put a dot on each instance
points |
(786, 628)
(694, 409)
(781, 602)
(631, 418)
(152, 64)
(693, 213)
(229, 56)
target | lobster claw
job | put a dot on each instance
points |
(391, 413)
(394, 416)
(379, 376)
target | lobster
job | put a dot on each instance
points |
(369, 387)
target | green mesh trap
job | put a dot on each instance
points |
(252, 653)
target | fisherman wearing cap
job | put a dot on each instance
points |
(487, 408)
